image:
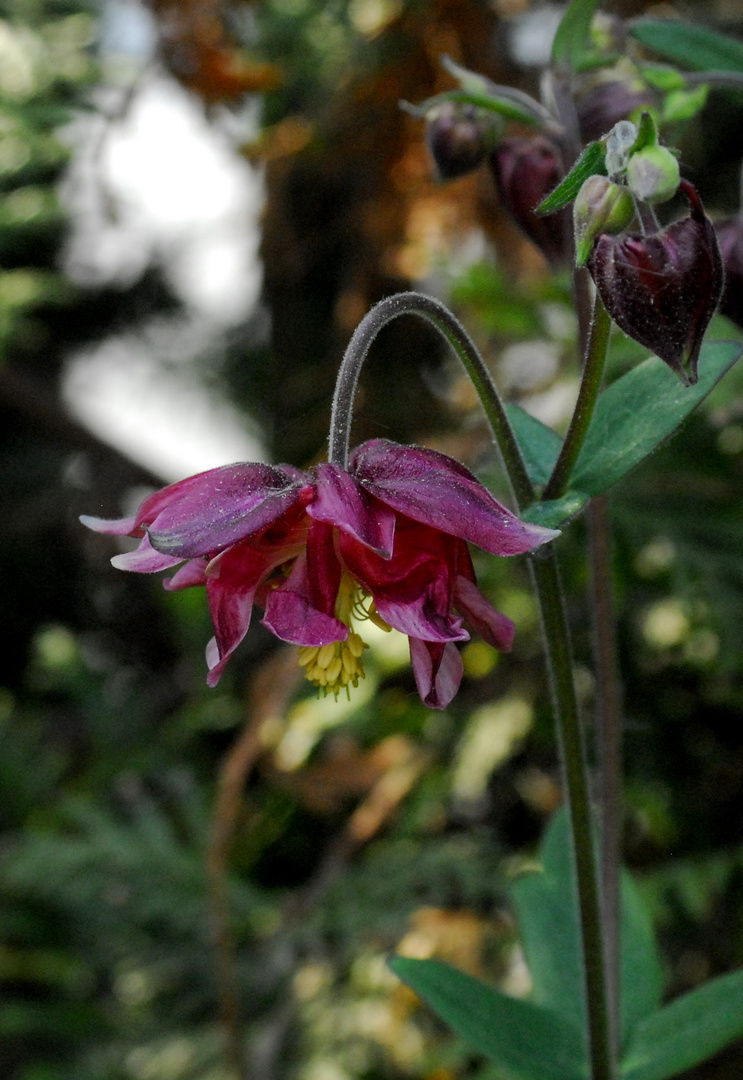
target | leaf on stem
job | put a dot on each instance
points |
(639, 412)
(548, 923)
(590, 163)
(528, 1042)
(569, 49)
(690, 46)
(689, 1030)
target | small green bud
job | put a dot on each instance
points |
(601, 206)
(653, 174)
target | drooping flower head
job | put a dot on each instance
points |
(663, 289)
(323, 551)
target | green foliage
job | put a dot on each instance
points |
(570, 46)
(633, 417)
(523, 1039)
(689, 45)
(590, 163)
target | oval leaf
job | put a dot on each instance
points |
(639, 412)
(690, 46)
(529, 1042)
(548, 923)
(689, 1030)
(570, 45)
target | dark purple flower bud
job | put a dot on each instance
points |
(607, 103)
(526, 169)
(730, 238)
(662, 290)
(458, 137)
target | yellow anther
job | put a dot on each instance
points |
(326, 654)
(355, 644)
(333, 670)
(337, 665)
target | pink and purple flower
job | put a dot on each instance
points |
(323, 550)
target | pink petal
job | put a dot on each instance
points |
(425, 616)
(438, 671)
(323, 568)
(340, 501)
(436, 490)
(291, 615)
(231, 610)
(207, 513)
(191, 573)
(496, 629)
(144, 560)
(232, 579)
(114, 526)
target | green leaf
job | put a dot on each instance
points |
(540, 445)
(555, 512)
(639, 412)
(571, 40)
(590, 163)
(684, 104)
(548, 922)
(690, 46)
(529, 1042)
(689, 1030)
(504, 106)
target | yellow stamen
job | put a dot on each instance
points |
(336, 666)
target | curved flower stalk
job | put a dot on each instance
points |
(324, 550)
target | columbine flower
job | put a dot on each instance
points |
(323, 551)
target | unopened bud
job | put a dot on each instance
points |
(458, 138)
(526, 170)
(653, 174)
(662, 290)
(601, 206)
(608, 102)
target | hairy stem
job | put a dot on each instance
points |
(546, 575)
(412, 303)
(609, 737)
(593, 371)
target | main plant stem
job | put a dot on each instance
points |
(593, 373)
(546, 578)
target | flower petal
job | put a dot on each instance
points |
(232, 579)
(420, 619)
(496, 629)
(340, 501)
(191, 573)
(413, 590)
(145, 560)
(291, 615)
(208, 512)
(323, 569)
(438, 671)
(113, 526)
(436, 490)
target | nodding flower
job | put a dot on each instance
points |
(324, 551)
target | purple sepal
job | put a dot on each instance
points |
(437, 668)
(436, 490)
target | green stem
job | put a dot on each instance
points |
(546, 576)
(593, 371)
(609, 740)
(412, 303)
(554, 620)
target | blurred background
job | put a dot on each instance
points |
(199, 201)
